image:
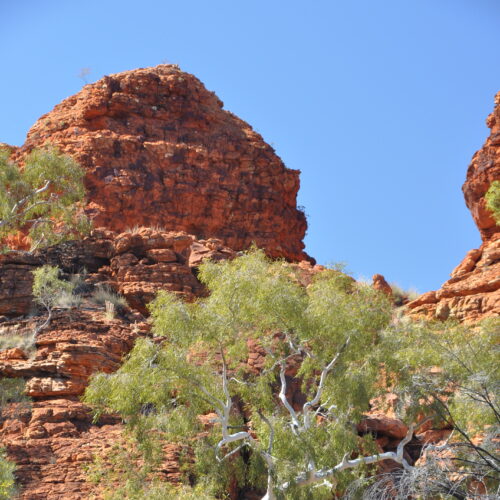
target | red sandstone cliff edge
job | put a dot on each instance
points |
(160, 150)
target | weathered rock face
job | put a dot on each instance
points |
(136, 264)
(380, 284)
(159, 150)
(52, 439)
(483, 170)
(16, 282)
(473, 292)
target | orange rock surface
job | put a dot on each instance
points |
(52, 439)
(160, 150)
(136, 264)
(473, 292)
(483, 170)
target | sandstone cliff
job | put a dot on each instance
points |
(473, 292)
(160, 150)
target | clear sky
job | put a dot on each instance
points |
(380, 104)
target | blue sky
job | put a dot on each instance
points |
(381, 105)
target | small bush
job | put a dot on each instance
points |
(492, 197)
(24, 342)
(7, 480)
(105, 294)
(48, 288)
(67, 300)
(80, 285)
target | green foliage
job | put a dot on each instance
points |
(120, 475)
(43, 197)
(7, 479)
(451, 372)
(492, 197)
(164, 387)
(337, 338)
(48, 289)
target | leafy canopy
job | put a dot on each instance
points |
(331, 328)
(336, 340)
(43, 197)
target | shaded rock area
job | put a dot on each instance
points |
(159, 150)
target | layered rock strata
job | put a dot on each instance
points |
(159, 150)
(52, 439)
(136, 264)
(473, 292)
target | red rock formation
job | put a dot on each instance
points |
(16, 282)
(380, 284)
(483, 170)
(136, 264)
(53, 439)
(473, 292)
(160, 150)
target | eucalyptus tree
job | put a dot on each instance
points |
(48, 289)
(42, 198)
(328, 335)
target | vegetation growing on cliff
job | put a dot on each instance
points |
(11, 391)
(49, 290)
(335, 336)
(451, 373)
(42, 198)
(326, 335)
(7, 480)
(492, 197)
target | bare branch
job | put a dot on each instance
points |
(323, 474)
(282, 396)
(326, 370)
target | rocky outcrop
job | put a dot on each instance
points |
(473, 292)
(380, 284)
(53, 439)
(483, 170)
(137, 264)
(16, 282)
(159, 150)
